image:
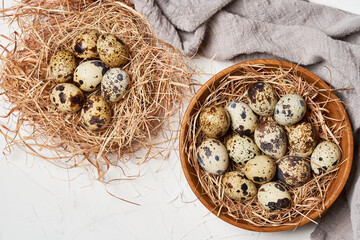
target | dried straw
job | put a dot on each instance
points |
(307, 198)
(158, 72)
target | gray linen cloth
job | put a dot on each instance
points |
(294, 30)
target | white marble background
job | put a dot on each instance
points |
(41, 201)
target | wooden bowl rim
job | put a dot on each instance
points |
(348, 137)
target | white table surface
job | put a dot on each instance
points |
(41, 201)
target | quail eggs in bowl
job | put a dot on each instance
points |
(275, 118)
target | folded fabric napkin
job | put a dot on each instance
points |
(294, 30)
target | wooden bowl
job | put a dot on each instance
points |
(335, 109)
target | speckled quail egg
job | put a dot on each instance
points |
(88, 75)
(302, 139)
(241, 149)
(290, 109)
(84, 44)
(274, 196)
(260, 169)
(212, 156)
(67, 97)
(293, 170)
(243, 119)
(96, 113)
(214, 121)
(262, 98)
(325, 157)
(271, 139)
(237, 187)
(112, 50)
(62, 66)
(114, 84)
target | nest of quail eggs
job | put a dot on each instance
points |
(263, 147)
(90, 81)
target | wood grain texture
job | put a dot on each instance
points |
(336, 109)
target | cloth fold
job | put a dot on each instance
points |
(310, 34)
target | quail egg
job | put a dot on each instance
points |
(96, 113)
(260, 169)
(237, 187)
(88, 75)
(84, 44)
(262, 98)
(274, 196)
(290, 109)
(112, 50)
(241, 149)
(67, 97)
(243, 119)
(114, 84)
(214, 121)
(302, 139)
(62, 66)
(212, 156)
(271, 139)
(293, 170)
(325, 157)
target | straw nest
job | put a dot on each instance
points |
(141, 121)
(306, 198)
